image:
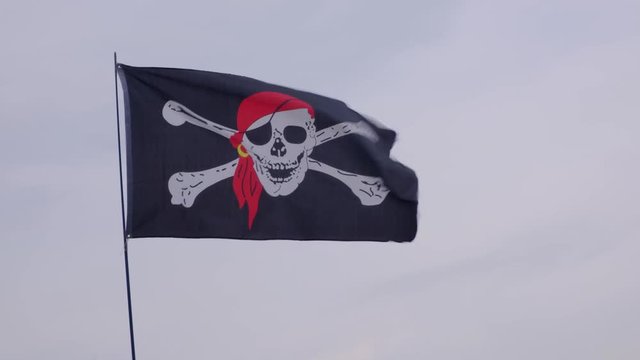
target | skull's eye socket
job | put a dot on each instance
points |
(260, 135)
(295, 134)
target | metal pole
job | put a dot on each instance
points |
(124, 231)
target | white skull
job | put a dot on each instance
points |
(280, 145)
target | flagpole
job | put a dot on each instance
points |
(124, 231)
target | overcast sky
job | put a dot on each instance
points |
(521, 119)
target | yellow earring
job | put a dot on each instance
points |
(241, 151)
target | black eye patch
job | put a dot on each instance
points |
(295, 134)
(260, 135)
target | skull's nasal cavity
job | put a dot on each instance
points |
(278, 148)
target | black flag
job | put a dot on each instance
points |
(213, 155)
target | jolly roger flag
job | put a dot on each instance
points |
(213, 155)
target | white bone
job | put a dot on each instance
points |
(185, 187)
(370, 190)
(177, 114)
(339, 130)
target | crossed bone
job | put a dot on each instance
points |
(186, 186)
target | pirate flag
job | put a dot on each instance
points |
(213, 155)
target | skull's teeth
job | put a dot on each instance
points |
(281, 172)
(281, 166)
(280, 175)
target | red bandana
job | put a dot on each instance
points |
(246, 184)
